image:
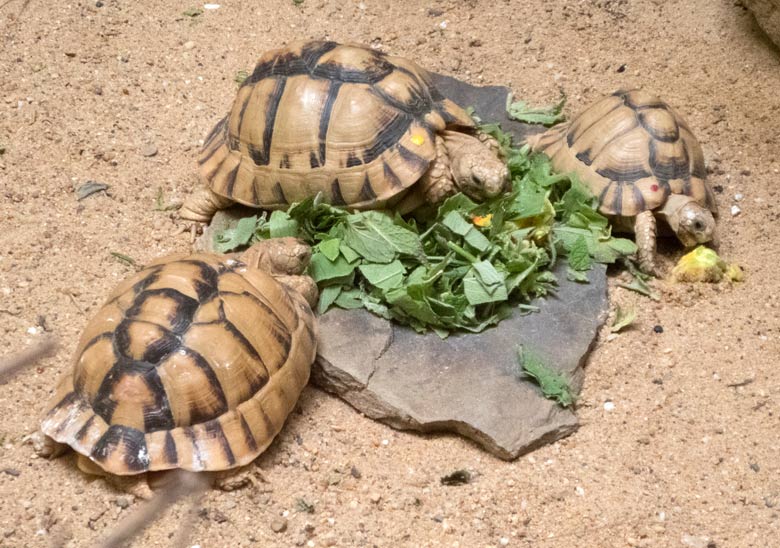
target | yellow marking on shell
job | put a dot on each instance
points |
(418, 139)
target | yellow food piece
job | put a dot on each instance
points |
(482, 220)
(704, 265)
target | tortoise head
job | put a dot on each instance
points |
(693, 224)
(477, 170)
(278, 256)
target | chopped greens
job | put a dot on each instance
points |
(520, 111)
(466, 265)
(554, 385)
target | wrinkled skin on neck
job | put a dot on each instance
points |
(286, 260)
(477, 171)
(693, 223)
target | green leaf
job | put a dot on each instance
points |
(192, 12)
(375, 237)
(327, 296)
(282, 225)
(547, 116)
(458, 202)
(623, 318)
(576, 275)
(349, 254)
(350, 299)
(579, 256)
(330, 248)
(484, 284)
(454, 221)
(554, 386)
(384, 276)
(322, 269)
(233, 238)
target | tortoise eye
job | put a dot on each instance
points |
(698, 226)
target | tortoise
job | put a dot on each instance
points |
(641, 160)
(192, 363)
(350, 123)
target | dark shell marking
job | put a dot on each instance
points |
(152, 331)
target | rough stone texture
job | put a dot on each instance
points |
(767, 14)
(467, 383)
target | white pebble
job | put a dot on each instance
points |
(189, 45)
(32, 331)
(609, 406)
(735, 210)
(442, 25)
(738, 197)
(210, 6)
(385, 442)
(285, 513)
(503, 541)
(6, 291)
(580, 491)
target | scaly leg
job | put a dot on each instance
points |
(202, 204)
(645, 228)
(437, 183)
(46, 447)
(237, 478)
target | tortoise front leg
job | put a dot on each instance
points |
(645, 229)
(434, 186)
(202, 204)
(45, 447)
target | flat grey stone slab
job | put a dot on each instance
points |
(468, 383)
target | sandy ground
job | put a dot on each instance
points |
(687, 457)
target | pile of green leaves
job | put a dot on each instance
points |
(465, 266)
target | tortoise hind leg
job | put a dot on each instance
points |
(136, 485)
(202, 204)
(236, 478)
(45, 447)
(645, 229)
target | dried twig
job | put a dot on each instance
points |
(183, 484)
(12, 364)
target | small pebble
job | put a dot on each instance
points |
(279, 525)
(735, 210)
(149, 150)
(738, 197)
(210, 6)
(122, 502)
(503, 541)
(609, 406)
(375, 498)
(189, 45)
(658, 329)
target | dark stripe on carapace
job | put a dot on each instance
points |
(675, 168)
(389, 136)
(270, 119)
(158, 415)
(135, 456)
(617, 201)
(353, 160)
(260, 379)
(279, 194)
(391, 177)
(214, 430)
(259, 302)
(220, 126)
(96, 339)
(230, 179)
(82, 432)
(623, 176)
(335, 193)
(376, 70)
(289, 64)
(418, 105)
(284, 163)
(584, 157)
(639, 199)
(189, 433)
(206, 156)
(642, 106)
(158, 349)
(198, 414)
(185, 307)
(420, 164)
(241, 114)
(169, 449)
(249, 438)
(367, 193)
(657, 134)
(313, 161)
(69, 399)
(207, 285)
(575, 130)
(327, 110)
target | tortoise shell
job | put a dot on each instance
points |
(194, 363)
(346, 121)
(633, 151)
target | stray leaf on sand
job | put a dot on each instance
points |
(126, 259)
(623, 318)
(554, 385)
(89, 188)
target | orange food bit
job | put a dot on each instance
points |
(482, 220)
